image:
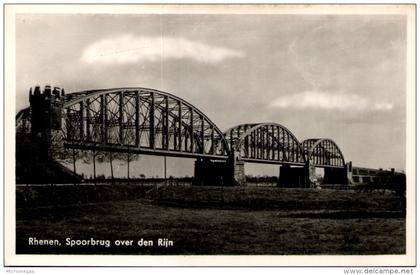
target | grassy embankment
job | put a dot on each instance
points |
(212, 220)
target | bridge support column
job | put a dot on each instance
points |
(349, 167)
(238, 170)
(336, 176)
(208, 172)
(218, 173)
(297, 177)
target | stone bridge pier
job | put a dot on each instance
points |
(305, 176)
(296, 176)
(334, 176)
(232, 173)
(219, 173)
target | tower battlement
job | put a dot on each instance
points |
(46, 110)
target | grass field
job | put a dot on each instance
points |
(211, 220)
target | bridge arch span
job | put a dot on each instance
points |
(147, 119)
(265, 143)
(322, 152)
(138, 120)
(23, 121)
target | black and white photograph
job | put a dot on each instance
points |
(271, 133)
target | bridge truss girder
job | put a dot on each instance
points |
(321, 152)
(265, 143)
(140, 120)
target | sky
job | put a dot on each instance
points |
(341, 77)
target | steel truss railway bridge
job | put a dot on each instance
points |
(152, 122)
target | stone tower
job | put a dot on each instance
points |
(46, 112)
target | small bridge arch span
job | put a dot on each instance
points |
(265, 143)
(325, 153)
(322, 152)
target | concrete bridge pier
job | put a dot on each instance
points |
(237, 169)
(294, 176)
(335, 176)
(219, 173)
(306, 177)
(209, 172)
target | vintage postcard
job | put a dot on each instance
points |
(210, 135)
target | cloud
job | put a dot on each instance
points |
(329, 101)
(129, 49)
